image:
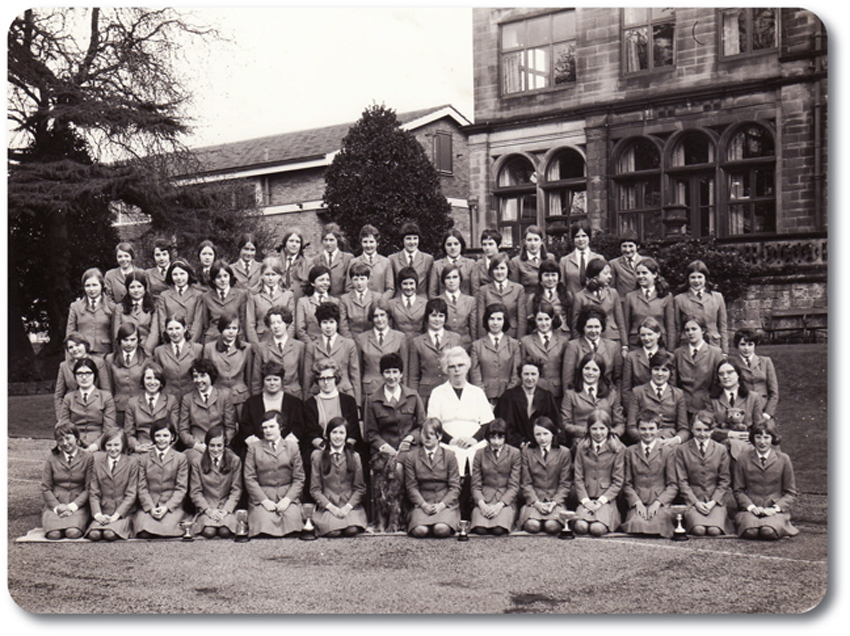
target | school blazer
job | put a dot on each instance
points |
(313, 429)
(576, 408)
(64, 483)
(177, 376)
(422, 264)
(770, 485)
(187, 305)
(599, 475)
(462, 318)
(215, 489)
(671, 408)
(408, 320)
(531, 346)
(307, 328)
(295, 274)
(752, 406)
(113, 284)
(636, 371)
(636, 308)
(138, 418)
(371, 353)
(338, 487)
(381, 280)
(339, 270)
(258, 306)
(234, 369)
(163, 483)
(650, 480)
(94, 418)
(712, 308)
(126, 380)
(760, 378)
(609, 303)
(513, 297)
(273, 474)
(147, 325)
(249, 281)
(95, 325)
(251, 421)
(546, 480)
(423, 367)
(703, 478)
(570, 268)
(480, 275)
(344, 351)
(156, 281)
(562, 311)
(432, 483)
(354, 314)
(292, 360)
(111, 493)
(494, 370)
(526, 273)
(197, 417)
(513, 408)
(625, 275)
(212, 308)
(494, 479)
(66, 381)
(389, 424)
(464, 264)
(580, 347)
(694, 375)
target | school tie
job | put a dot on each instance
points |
(546, 342)
(152, 402)
(136, 306)
(337, 459)
(360, 297)
(410, 259)
(431, 457)
(161, 456)
(496, 453)
(215, 463)
(763, 460)
(694, 354)
(180, 291)
(496, 342)
(380, 338)
(500, 287)
(699, 295)
(93, 304)
(702, 448)
(747, 362)
(437, 340)
(280, 347)
(731, 400)
(221, 294)
(659, 392)
(453, 298)
(328, 343)
(582, 277)
(647, 293)
(127, 359)
(594, 345)
(598, 448)
(274, 447)
(205, 396)
(369, 260)
(177, 351)
(85, 398)
(590, 393)
(247, 268)
(647, 451)
(408, 302)
(112, 464)
(544, 452)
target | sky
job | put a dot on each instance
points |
(286, 69)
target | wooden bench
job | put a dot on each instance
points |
(806, 321)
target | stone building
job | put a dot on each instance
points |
(669, 122)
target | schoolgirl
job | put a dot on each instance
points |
(137, 308)
(283, 349)
(454, 245)
(90, 409)
(495, 478)
(215, 486)
(152, 404)
(525, 266)
(652, 299)
(233, 360)
(548, 344)
(270, 293)
(426, 349)
(410, 256)
(113, 280)
(223, 299)
(496, 356)
(91, 315)
(462, 317)
(551, 289)
(246, 269)
(125, 366)
(505, 292)
(407, 309)
(590, 391)
(696, 364)
(177, 356)
(660, 396)
(546, 478)
(334, 258)
(113, 485)
(316, 292)
(183, 297)
(703, 303)
(381, 280)
(597, 292)
(77, 348)
(64, 485)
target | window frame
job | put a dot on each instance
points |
(649, 24)
(691, 173)
(635, 178)
(517, 192)
(571, 184)
(721, 12)
(748, 166)
(443, 134)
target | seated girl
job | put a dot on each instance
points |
(496, 472)
(63, 486)
(163, 483)
(546, 480)
(215, 486)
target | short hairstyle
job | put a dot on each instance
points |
(662, 358)
(77, 337)
(410, 228)
(273, 416)
(544, 422)
(115, 433)
(434, 425)
(126, 330)
(578, 226)
(697, 267)
(453, 352)
(648, 415)
(650, 323)
(495, 308)
(316, 271)
(92, 272)
(499, 259)
(700, 320)
(359, 268)
(496, 427)
(335, 229)
(595, 267)
(369, 230)
(126, 247)
(68, 428)
(271, 367)
(327, 311)
(548, 266)
(162, 244)
(436, 305)
(629, 236)
(391, 360)
(224, 320)
(219, 266)
(284, 312)
(378, 303)
(448, 269)
(533, 362)
(204, 366)
(586, 313)
(85, 363)
(453, 233)
(706, 417)
(323, 365)
(406, 273)
(158, 373)
(765, 426)
(492, 234)
(245, 239)
(745, 334)
(169, 273)
(163, 424)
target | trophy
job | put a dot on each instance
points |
(679, 533)
(187, 530)
(309, 531)
(463, 534)
(241, 526)
(567, 530)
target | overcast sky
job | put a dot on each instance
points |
(290, 69)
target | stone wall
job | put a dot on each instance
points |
(761, 300)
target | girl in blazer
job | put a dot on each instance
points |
(270, 293)
(624, 267)
(427, 348)
(550, 289)
(491, 239)
(590, 324)
(650, 483)
(522, 404)
(548, 345)
(113, 280)
(246, 269)
(113, 485)
(496, 471)
(64, 486)
(150, 405)
(525, 266)
(283, 349)
(233, 360)
(381, 280)
(757, 372)
(699, 301)
(88, 408)
(223, 299)
(410, 256)
(696, 363)
(336, 260)
(733, 407)
(215, 486)
(652, 299)
(454, 245)
(177, 356)
(337, 485)
(204, 408)
(599, 474)
(315, 293)
(162, 254)
(293, 261)
(182, 298)
(505, 292)
(660, 396)
(636, 370)
(274, 481)
(462, 311)
(433, 485)
(408, 308)
(496, 356)
(374, 344)
(546, 478)
(354, 305)
(77, 348)
(163, 483)
(574, 265)
(125, 366)
(207, 255)
(591, 391)
(91, 315)
(137, 308)
(702, 469)
(336, 347)
(597, 292)
(765, 489)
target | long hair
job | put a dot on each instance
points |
(662, 287)
(716, 390)
(548, 267)
(206, 459)
(137, 275)
(347, 451)
(602, 386)
(223, 323)
(544, 422)
(180, 264)
(534, 229)
(126, 330)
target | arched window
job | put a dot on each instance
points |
(637, 180)
(516, 197)
(692, 175)
(565, 186)
(750, 173)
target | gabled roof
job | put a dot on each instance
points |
(302, 148)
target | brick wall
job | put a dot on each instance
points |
(760, 301)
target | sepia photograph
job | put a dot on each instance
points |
(398, 311)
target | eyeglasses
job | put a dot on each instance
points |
(326, 378)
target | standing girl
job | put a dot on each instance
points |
(246, 269)
(182, 298)
(207, 255)
(408, 308)
(113, 281)
(597, 292)
(215, 486)
(125, 366)
(90, 409)
(574, 265)
(659, 395)
(293, 262)
(270, 293)
(162, 249)
(590, 326)
(551, 289)
(334, 258)
(77, 348)
(222, 299)
(462, 317)
(491, 239)
(233, 360)
(546, 479)
(696, 363)
(137, 308)
(525, 266)
(507, 293)
(91, 315)
(496, 356)
(496, 471)
(113, 484)
(315, 293)
(381, 280)
(454, 245)
(283, 349)
(757, 372)
(177, 356)
(636, 370)
(410, 256)
(652, 299)
(699, 301)
(375, 343)
(548, 345)
(64, 486)
(590, 391)
(152, 404)
(425, 372)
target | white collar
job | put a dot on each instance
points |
(648, 447)
(655, 387)
(493, 338)
(393, 395)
